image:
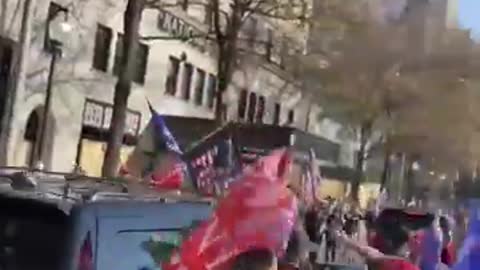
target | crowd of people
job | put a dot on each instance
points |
(396, 240)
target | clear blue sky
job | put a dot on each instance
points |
(469, 16)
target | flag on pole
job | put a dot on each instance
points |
(469, 257)
(259, 211)
(157, 158)
(431, 247)
(215, 167)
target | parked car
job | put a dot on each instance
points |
(107, 231)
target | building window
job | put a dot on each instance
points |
(276, 113)
(172, 77)
(141, 60)
(208, 15)
(252, 32)
(118, 54)
(284, 52)
(211, 90)
(140, 65)
(186, 80)
(184, 4)
(199, 85)
(242, 104)
(269, 45)
(260, 109)
(291, 117)
(101, 52)
(252, 104)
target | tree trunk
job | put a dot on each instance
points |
(222, 87)
(410, 177)
(16, 87)
(386, 165)
(131, 21)
(365, 130)
(307, 118)
(227, 52)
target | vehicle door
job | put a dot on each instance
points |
(142, 236)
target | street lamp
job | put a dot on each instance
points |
(55, 32)
(415, 166)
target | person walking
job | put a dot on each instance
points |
(330, 240)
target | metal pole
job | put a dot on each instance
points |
(47, 105)
(16, 89)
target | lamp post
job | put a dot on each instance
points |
(53, 46)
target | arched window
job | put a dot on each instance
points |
(32, 136)
(31, 130)
(252, 104)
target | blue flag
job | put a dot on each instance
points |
(214, 165)
(163, 136)
(431, 247)
(156, 151)
(469, 257)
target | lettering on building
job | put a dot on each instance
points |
(177, 27)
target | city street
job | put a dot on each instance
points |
(344, 256)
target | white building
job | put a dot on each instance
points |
(177, 77)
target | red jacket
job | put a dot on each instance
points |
(448, 256)
(397, 265)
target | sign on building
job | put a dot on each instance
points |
(98, 115)
(181, 29)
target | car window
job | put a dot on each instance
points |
(30, 241)
(143, 250)
(128, 249)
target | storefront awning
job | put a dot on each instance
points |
(253, 140)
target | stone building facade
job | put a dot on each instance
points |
(177, 77)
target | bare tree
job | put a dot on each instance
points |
(131, 21)
(228, 24)
(228, 20)
(365, 74)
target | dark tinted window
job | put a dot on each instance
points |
(187, 81)
(140, 65)
(199, 85)
(211, 90)
(242, 104)
(291, 116)
(252, 106)
(260, 109)
(101, 52)
(32, 237)
(276, 114)
(171, 83)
